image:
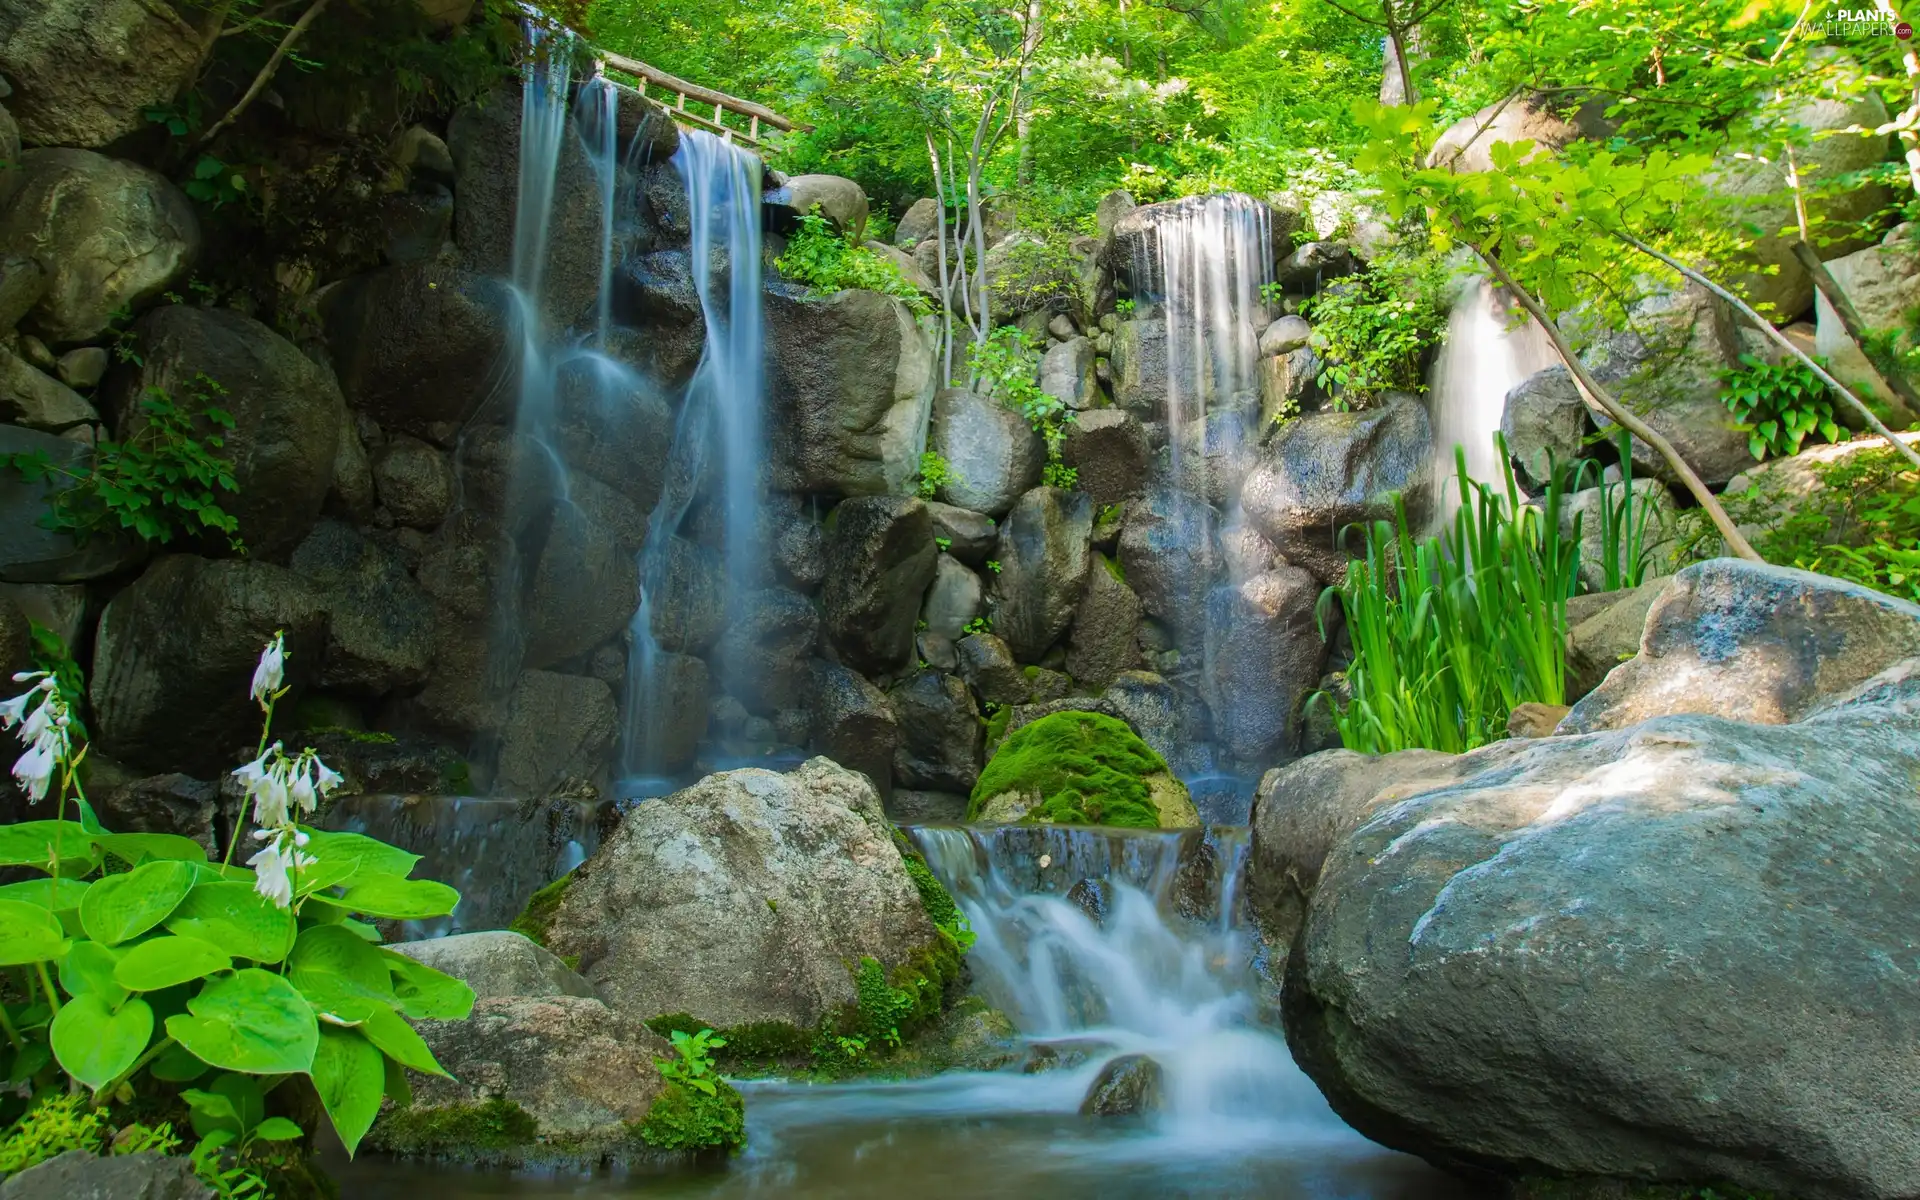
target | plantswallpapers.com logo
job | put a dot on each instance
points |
(1865, 22)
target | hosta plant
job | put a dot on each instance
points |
(144, 971)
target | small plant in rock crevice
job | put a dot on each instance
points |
(1778, 406)
(1004, 366)
(935, 473)
(827, 262)
(1372, 330)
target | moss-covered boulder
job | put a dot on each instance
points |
(1081, 768)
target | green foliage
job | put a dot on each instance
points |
(163, 481)
(1451, 633)
(882, 1006)
(1088, 769)
(1861, 524)
(682, 1120)
(1624, 552)
(536, 919)
(1057, 474)
(55, 1125)
(935, 473)
(977, 625)
(1778, 406)
(1006, 366)
(214, 182)
(694, 1068)
(827, 262)
(1035, 272)
(1373, 330)
(1124, 308)
(458, 1131)
(938, 902)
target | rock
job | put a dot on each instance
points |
(676, 717)
(1108, 447)
(1044, 563)
(173, 803)
(799, 869)
(1287, 383)
(1285, 336)
(1139, 366)
(32, 553)
(1168, 558)
(577, 1073)
(1080, 768)
(83, 368)
(352, 493)
(993, 453)
(921, 219)
(1101, 642)
(692, 602)
(1329, 471)
(414, 482)
(1264, 654)
(1171, 723)
(1132, 1085)
(971, 536)
(78, 1175)
(1535, 720)
(16, 638)
(419, 224)
(939, 733)
(1441, 947)
(656, 292)
(850, 381)
(908, 268)
(907, 807)
(850, 721)
(1066, 372)
(1544, 420)
(841, 201)
(1311, 265)
(1050, 685)
(1750, 642)
(1547, 120)
(175, 652)
(585, 586)
(953, 600)
(498, 963)
(763, 655)
(36, 401)
(1605, 633)
(420, 151)
(936, 651)
(84, 72)
(988, 665)
(1215, 453)
(1244, 552)
(1113, 207)
(1883, 282)
(23, 281)
(59, 609)
(559, 728)
(798, 544)
(420, 344)
(379, 621)
(113, 235)
(1133, 250)
(1060, 327)
(1654, 515)
(646, 133)
(880, 559)
(286, 410)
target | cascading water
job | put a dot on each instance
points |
(1483, 358)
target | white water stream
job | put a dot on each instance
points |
(1484, 357)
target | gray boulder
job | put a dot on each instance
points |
(176, 649)
(1112, 208)
(1543, 118)
(421, 344)
(1883, 282)
(1167, 556)
(84, 72)
(1264, 654)
(994, 454)
(1655, 518)
(762, 657)
(1066, 373)
(1328, 471)
(989, 667)
(1604, 632)
(908, 807)
(615, 426)
(1313, 264)
(840, 201)
(954, 599)
(1172, 723)
(414, 482)
(1140, 368)
(1284, 336)
(585, 584)
(850, 380)
(113, 235)
(1132, 1085)
(1133, 250)
(850, 721)
(1544, 420)
(23, 280)
(1044, 558)
(559, 728)
(498, 962)
(1102, 641)
(880, 559)
(921, 218)
(656, 292)
(1287, 382)
(379, 621)
(171, 803)
(1697, 905)
(940, 733)
(1215, 453)
(286, 410)
(31, 398)
(800, 870)
(674, 712)
(78, 1175)
(796, 542)
(1108, 448)
(970, 536)
(690, 608)
(1750, 642)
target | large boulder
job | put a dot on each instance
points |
(559, 728)
(1883, 282)
(498, 962)
(84, 72)
(1066, 373)
(1140, 368)
(175, 652)
(850, 721)
(994, 454)
(1327, 472)
(1044, 558)
(1103, 640)
(286, 410)
(1132, 1085)
(585, 585)
(940, 733)
(114, 235)
(1134, 251)
(989, 668)
(1264, 654)
(31, 398)
(1167, 554)
(1547, 119)
(379, 621)
(79, 1175)
(413, 481)
(954, 599)
(880, 558)
(656, 292)
(1108, 449)
(762, 657)
(970, 536)
(421, 344)
(613, 424)
(1750, 642)
(1545, 422)
(1655, 954)
(839, 200)
(1603, 631)
(799, 870)
(29, 551)
(850, 380)
(918, 224)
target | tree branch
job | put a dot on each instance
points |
(1889, 370)
(261, 80)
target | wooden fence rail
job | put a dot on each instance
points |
(681, 92)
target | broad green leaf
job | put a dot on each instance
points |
(28, 1063)
(349, 1072)
(252, 1021)
(30, 844)
(338, 952)
(28, 934)
(137, 847)
(397, 1040)
(398, 899)
(325, 874)
(399, 1088)
(177, 1064)
(278, 1129)
(169, 960)
(237, 919)
(426, 994)
(231, 1103)
(369, 855)
(123, 906)
(94, 1043)
(60, 895)
(88, 970)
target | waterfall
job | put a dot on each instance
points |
(596, 112)
(722, 409)
(1481, 361)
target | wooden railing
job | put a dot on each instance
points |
(679, 92)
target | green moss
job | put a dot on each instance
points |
(1088, 768)
(757, 1046)
(535, 922)
(1030, 671)
(997, 727)
(366, 737)
(1538, 1187)
(457, 779)
(684, 1120)
(1113, 568)
(464, 1132)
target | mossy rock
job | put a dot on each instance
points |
(1081, 768)
(469, 1133)
(685, 1121)
(536, 919)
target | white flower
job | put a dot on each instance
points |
(302, 790)
(13, 711)
(272, 669)
(325, 778)
(274, 864)
(35, 769)
(265, 780)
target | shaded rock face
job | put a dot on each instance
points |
(1132, 1085)
(1167, 557)
(850, 378)
(1654, 515)
(1328, 471)
(799, 869)
(1750, 642)
(880, 558)
(1702, 907)
(617, 430)
(954, 599)
(971, 536)
(84, 71)
(762, 657)
(175, 652)
(1605, 632)
(940, 733)
(1266, 654)
(1545, 421)
(173, 803)
(850, 721)
(379, 621)
(989, 667)
(36, 400)
(113, 235)
(1044, 564)
(414, 482)
(678, 722)
(1066, 372)
(585, 587)
(78, 1175)
(287, 413)
(32, 554)
(995, 456)
(497, 963)
(420, 344)
(1882, 282)
(656, 292)
(1108, 448)
(559, 728)
(1102, 641)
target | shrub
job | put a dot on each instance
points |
(827, 262)
(1372, 330)
(1005, 366)
(1088, 768)
(1778, 406)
